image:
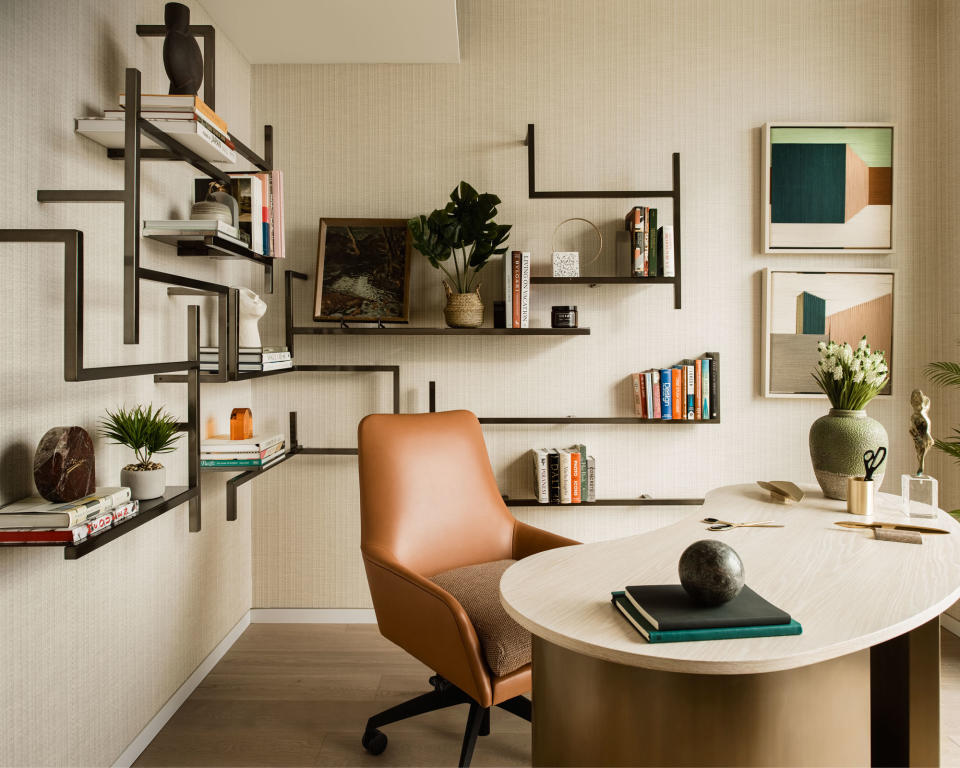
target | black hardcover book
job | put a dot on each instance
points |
(669, 607)
(714, 387)
(553, 477)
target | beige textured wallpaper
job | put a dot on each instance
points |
(614, 86)
(93, 648)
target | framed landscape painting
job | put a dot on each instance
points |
(802, 309)
(363, 271)
(827, 187)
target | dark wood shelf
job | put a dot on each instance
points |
(608, 503)
(593, 420)
(602, 280)
(173, 497)
(408, 331)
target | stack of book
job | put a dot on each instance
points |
(35, 520)
(186, 230)
(184, 117)
(651, 247)
(253, 453)
(667, 614)
(564, 475)
(260, 197)
(249, 359)
(687, 391)
(516, 289)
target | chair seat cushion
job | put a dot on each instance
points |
(506, 645)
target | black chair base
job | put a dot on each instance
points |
(444, 694)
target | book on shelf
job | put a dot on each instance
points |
(714, 395)
(255, 444)
(705, 386)
(170, 102)
(194, 228)
(668, 265)
(120, 114)
(248, 191)
(636, 619)
(243, 463)
(36, 512)
(590, 480)
(690, 381)
(698, 389)
(653, 262)
(516, 284)
(110, 133)
(276, 365)
(258, 351)
(243, 455)
(682, 391)
(246, 357)
(266, 207)
(563, 475)
(666, 394)
(74, 534)
(553, 469)
(541, 483)
(566, 470)
(678, 388)
(655, 393)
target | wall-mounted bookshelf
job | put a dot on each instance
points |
(607, 503)
(413, 331)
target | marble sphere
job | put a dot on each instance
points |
(711, 572)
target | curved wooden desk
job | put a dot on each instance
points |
(862, 679)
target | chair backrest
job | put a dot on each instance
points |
(428, 497)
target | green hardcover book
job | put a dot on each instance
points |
(654, 265)
(232, 462)
(639, 623)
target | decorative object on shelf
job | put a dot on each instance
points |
(182, 59)
(241, 424)
(218, 204)
(464, 229)
(918, 492)
(566, 264)
(850, 378)
(804, 308)
(64, 466)
(827, 187)
(363, 271)
(782, 491)
(251, 308)
(563, 317)
(146, 431)
(861, 491)
(711, 572)
(948, 375)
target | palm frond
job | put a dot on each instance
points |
(945, 374)
(949, 447)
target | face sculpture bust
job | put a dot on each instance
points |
(251, 309)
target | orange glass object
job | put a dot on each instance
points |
(241, 424)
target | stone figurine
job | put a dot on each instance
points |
(251, 309)
(182, 59)
(920, 427)
(64, 467)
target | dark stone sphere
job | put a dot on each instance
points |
(711, 572)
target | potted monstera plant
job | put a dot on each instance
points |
(459, 239)
(147, 431)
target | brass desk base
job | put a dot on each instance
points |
(588, 712)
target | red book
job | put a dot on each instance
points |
(516, 262)
(65, 535)
(676, 376)
(574, 478)
(643, 396)
(697, 391)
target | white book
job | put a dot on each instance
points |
(525, 290)
(648, 380)
(37, 512)
(540, 480)
(669, 270)
(278, 365)
(591, 479)
(566, 477)
(220, 443)
(508, 288)
(109, 132)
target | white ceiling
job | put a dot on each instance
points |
(340, 31)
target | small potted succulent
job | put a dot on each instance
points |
(464, 229)
(850, 377)
(147, 431)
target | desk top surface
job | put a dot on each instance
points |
(848, 590)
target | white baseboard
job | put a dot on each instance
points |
(950, 624)
(143, 739)
(312, 616)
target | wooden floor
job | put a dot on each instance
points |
(299, 695)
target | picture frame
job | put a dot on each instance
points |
(845, 304)
(828, 187)
(363, 271)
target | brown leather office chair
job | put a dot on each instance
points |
(429, 503)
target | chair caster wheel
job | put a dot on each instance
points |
(374, 741)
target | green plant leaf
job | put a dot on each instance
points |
(944, 374)
(146, 430)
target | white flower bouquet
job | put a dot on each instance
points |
(850, 377)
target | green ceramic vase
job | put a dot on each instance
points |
(837, 444)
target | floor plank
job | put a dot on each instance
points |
(299, 695)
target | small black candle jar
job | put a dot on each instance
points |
(563, 317)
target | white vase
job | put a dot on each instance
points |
(144, 484)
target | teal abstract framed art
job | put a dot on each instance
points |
(828, 187)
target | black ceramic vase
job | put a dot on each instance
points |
(181, 54)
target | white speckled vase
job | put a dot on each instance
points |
(837, 444)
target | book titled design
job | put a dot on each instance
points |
(653, 635)
(666, 394)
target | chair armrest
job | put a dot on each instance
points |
(528, 540)
(427, 622)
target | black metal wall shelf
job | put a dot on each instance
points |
(595, 420)
(408, 331)
(671, 194)
(608, 503)
(602, 280)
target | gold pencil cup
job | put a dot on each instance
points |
(859, 496)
